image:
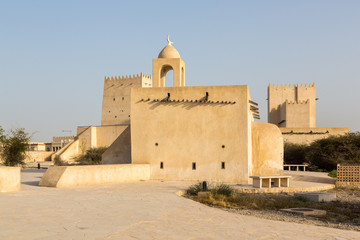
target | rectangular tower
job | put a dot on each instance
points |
(116, 97)
(292, 106)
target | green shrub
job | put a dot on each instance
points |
(222, 189)
(294, 153)
(327, 153)
(194, 189)
(59, 162)
(333, 174)
(91, 156)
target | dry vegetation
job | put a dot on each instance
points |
(343, 213)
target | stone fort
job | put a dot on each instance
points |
(196, 133)
(180, 132)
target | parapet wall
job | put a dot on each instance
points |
(38, 156)
(10, 178)
(74, 176)
(309, 135)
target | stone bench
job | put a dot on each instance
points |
(266, 181)
(296, 166)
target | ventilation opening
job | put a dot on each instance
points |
(222, 165)
(161, 165)
(194, 166)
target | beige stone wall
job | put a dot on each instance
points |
(10, 179)
(297, 114)
(37, 156)
(308, 135)
(181, 133)
(91, 137)
(295, 94)
(116, 97)
(74, 176)
(267, 152)
(120, 150)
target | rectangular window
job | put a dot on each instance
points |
(222, 165)
(194, 166)
(161, 165)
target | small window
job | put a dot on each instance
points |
(122, 98)
(115, 116)
(114, 99)
(194, 166)
(156, 144)
(223, 146)
(222, 165)
(161, 165)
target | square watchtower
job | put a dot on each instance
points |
(292, 106)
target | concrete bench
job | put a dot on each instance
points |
(296, 166)
(266, 181)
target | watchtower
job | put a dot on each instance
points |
(116, 98)
(292, 106)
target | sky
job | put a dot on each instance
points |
(54, 55)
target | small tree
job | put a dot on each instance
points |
(327, 153)
(14, 144)
(294, 153)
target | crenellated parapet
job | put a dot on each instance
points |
(297, 102)
(128, 77)
(287, 86)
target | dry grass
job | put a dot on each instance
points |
(344, 211)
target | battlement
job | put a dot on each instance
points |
(286, 86)
(297, 102)
(126, 77)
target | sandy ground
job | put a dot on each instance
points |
(139, 210)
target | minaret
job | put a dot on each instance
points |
(168, 59)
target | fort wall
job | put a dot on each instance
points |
(116, 97)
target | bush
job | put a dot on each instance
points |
(194, 189)
(14, 145)
(294, 153)
(59, 162)
(222, 189)
(91, 156)
(333, 174)
(327, 153)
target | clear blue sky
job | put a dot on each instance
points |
(54, 54)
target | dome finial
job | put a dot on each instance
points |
(169, 42)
